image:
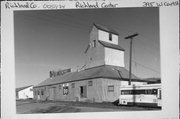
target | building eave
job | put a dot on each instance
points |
(103, 71)
(109, 45)
(106, 29)
(22, 88)
(93, 78)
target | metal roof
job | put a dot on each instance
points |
(110, 45)
(104, 71)
(22, 88)
(153, 80)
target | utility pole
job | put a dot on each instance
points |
(130, 55)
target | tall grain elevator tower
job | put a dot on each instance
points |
(103, 48)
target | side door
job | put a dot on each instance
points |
(52, 93)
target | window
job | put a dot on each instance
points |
(138, 92)
(126, 92)
(110, 36)
(90, 83)
(154, 91)
(73, 85)
(111, 88)
(148, 91)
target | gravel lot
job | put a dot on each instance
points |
(30, 106)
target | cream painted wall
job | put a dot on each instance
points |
(104, 36)
(114, 57)
(26, 93)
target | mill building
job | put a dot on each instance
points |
(99, 80)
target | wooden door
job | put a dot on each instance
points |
(52, 93)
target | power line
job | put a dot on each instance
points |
(146, 67)
(135, 61)
(140, 35)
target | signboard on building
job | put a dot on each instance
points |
(59, 72)
(65, 89)
(62, 72)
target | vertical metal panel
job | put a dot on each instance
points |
(114, 57)
(98, 92)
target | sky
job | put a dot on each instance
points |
(48, 40)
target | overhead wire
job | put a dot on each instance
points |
(146, 67)
(140, 35)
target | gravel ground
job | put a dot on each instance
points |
(30, 106)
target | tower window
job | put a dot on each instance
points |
(110, 36)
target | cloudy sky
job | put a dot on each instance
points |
(56, 39)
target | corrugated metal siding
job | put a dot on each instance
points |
(97, 92)
(104, 36)
(95, 55)
(114, 57)
(110, 96)
(105, 71)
